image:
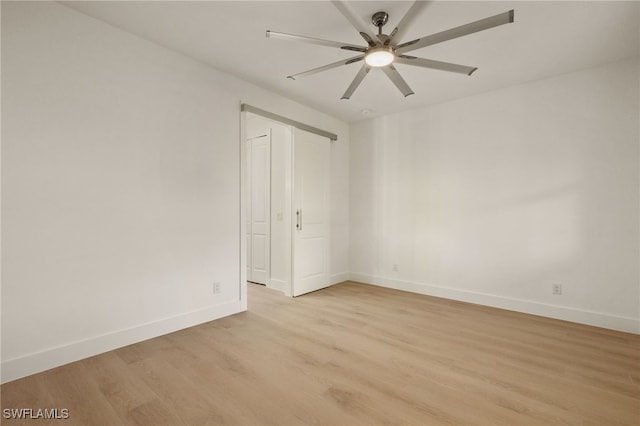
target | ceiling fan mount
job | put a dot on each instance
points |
(379, 19)
(383, 50)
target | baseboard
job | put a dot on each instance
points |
(279, 285)
(339, 277)
(16, 368)
(598, 319)
(285, 287)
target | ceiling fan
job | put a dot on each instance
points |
(383, 50)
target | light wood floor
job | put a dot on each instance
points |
(353, 354)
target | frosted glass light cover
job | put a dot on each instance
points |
(379, 56)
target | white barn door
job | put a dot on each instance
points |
(259, 209)
(311, 212)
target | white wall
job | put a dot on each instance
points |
(121, 172)
(492, 199)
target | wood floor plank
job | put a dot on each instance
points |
(80, 395)
(352, 354)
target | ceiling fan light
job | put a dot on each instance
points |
(379, 56)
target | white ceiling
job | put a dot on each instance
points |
(546, 39)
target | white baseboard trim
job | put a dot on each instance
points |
(26, 365)
(340, 277)
(279, 285)
(598, 319)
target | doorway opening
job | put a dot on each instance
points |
(286, 206)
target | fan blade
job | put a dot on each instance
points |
(356, 81)
(311, 40)
(355, 20)
(397, 79)
(326, 67)
(463, 30)
(436, 65)
(400, 29)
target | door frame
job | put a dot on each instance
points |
(243, 210)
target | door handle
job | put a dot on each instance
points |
(299, 219)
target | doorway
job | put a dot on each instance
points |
(286, 206)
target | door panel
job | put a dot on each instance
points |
(311, 212)
(258, 258)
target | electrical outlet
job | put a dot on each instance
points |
(395, 267)
(216, 288)
(556, 289)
